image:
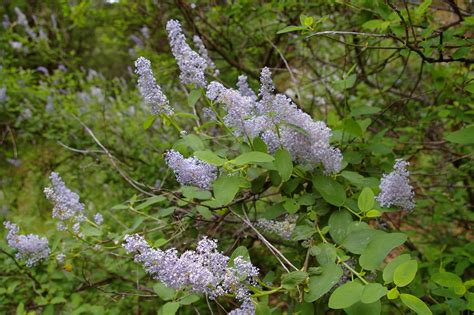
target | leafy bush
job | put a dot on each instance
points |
(317, 157)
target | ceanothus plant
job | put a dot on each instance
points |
(257, 163)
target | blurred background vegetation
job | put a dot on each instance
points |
(403, 95)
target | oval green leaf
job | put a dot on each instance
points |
(322, 283)
(366, 200)
(330, 190)
(379, 247)
(252, 157)
(405, 273)
(346, 295)
(392, 265)
(372, 293)
(415, 304)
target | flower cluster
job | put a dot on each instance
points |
(284, 228)
(244, 87)
(191, 171)
(67, 207)
(31, 248)
(277, 120)
(150, 91)
(204, 54)
(190, 63)
(204, 270)
(98, 218)
(395, 188)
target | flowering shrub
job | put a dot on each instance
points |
(259, 208)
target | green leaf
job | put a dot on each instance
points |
(163, 291)
(193, 97)
(469, 88)
(189, 299)
(346, 83)
(372, 293)
(170, 308)
(339, 223)
(209, 157)
(462, 136)
(325, 253)
(291, 280)
(330, 190)
(320, 284)
(415, 304)
(461, 52)
(373, 214)
(405, 273)
(379, 247)
(150, 201)
(447, 279)
(89, 230)
(192, 141)
(283, 164)
(20, 309)
(192, 192)
(376, 24)
(302, 232)
(149, 122)
(160, 242)
(291, 205)
(292, 28)
(225, 189)
(392, 265)
(352, 127)
(308, 21)
(364, 309)
(393, 294)
(357, 241)
(252, 157)
(346, 295)
(366, 200)
(422, 8)
(205, 212)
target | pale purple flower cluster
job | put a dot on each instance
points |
(191, 171)
(204, 54)
(190, 63)
(204, 270)
(395, 188)
(246, 308)
(31, 248)
(244, 87)
(98, 218)
(283, 228)
(150, 91)
(67, 207)
(277, 120)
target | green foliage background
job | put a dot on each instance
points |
(407, 94)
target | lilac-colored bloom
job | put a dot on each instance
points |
(43, 70)
(190, 63)
(191, 171)
(204, 54)
(277, 120)
(98, 218)
(30, 248)
(204, 270)
(150, 91)
(395, 188)
(67, 207)
(244, 87)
